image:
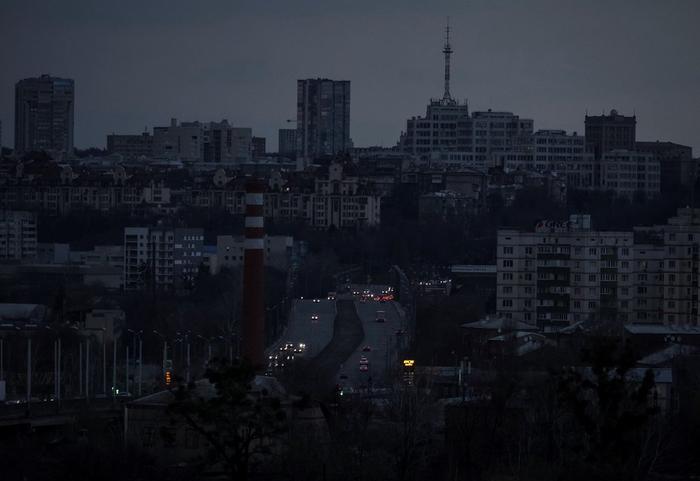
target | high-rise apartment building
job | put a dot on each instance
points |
(44, 114)
(161, 257)
(258, 146)
(323, 117)
(610, 132)
(287, 141)
(18, 235)
(562, 273)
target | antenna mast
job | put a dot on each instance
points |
(447, 50)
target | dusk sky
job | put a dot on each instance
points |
(136, 63)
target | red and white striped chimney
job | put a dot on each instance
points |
(253, 275)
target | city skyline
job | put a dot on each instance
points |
(136, 72)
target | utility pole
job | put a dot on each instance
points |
(187, 378)
(58, 369)
(29, 372)
(140, 364)
(126, 373)
(80, 369)
(87, 370)
(104, 363)
(114, 368)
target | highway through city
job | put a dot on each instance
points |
(323, 370)
(382, 324)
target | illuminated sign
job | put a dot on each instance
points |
(408, 362)
(552, 226)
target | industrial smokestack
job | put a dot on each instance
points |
(253, 275)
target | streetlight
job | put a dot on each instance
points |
(165, 349)
(137, 334)
(56, 365)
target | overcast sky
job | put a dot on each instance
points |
(136, 63)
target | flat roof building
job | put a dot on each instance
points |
(44, 114)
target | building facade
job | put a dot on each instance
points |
(610, 132)
(630, 173)
(230, 251)
(562, 273)
(209, 142)
(287, 142)
(161, 258)
(18, 235)
(678, 169)
(323, 117)
(130, 146)
(259, 147)
(44, 114)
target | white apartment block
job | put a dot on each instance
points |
(230, 251)
(161, 257)
(18, 235)
(564, 273)
(559, 274)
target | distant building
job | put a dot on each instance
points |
(105, 255)
(610, 132)
(178, 141)
(44, 114)
(210, 142)
(678, 170)
(287, 142)
(337, 200)
(161, 257)
(323, 117)
(629, 173)
(131, 146)
(18, 235)
(225, 144)
(52, 253)
(448, 127)
(258, 144)
(562, 273)
(230, 250)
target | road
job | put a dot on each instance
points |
(348, 334)
(311, 323)
(379, 346)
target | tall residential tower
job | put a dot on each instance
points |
(323, 117)
(44, 114)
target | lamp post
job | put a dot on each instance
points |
(165, 349)
(139, 375)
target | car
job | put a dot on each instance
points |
(363, 360)
(316, 301)
(366, 349)
(314, 317)
(364, 367)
